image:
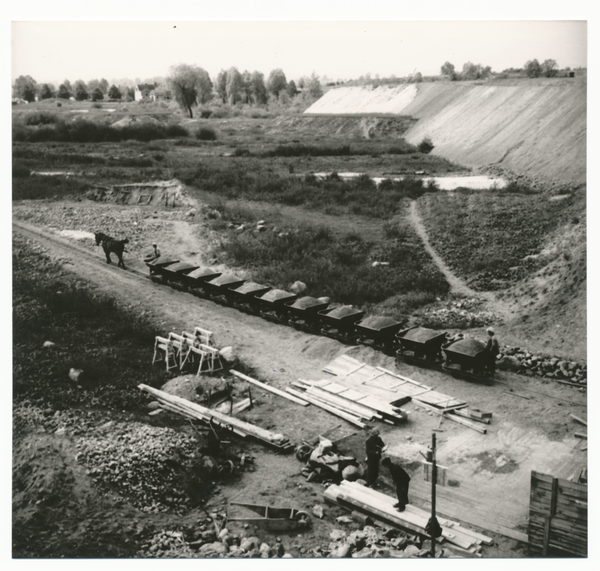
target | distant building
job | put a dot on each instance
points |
(152, 92)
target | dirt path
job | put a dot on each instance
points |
(456, 284)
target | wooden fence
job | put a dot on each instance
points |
(558, 515)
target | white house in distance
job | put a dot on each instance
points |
(152, 92)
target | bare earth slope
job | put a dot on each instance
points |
(531, 127)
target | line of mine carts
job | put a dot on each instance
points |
(458, 355)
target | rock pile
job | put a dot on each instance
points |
(140, 463)
(524, 362)
(461, 314)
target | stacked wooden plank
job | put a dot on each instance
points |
(558, 514)
(351, 400)
(197, 412)
(381, 507)
(385, 385)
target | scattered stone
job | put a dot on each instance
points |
(344, 519)
(228, 355)
(48, 344)
(74, 374)
(318, 511)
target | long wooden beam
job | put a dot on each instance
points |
(333, 410)
(453, 417)
(269, 388)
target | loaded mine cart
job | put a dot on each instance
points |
(466, 358)
(421, 345)
(378, 332)
(272, 305)
(339, 323)
(173, 274)
(244, 297)
(219, 289)
(304, 313)
(157, 266)
(196, 279)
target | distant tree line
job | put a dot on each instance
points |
(191, 86)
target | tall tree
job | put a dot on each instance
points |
(103, 86)
(449, 70)
(276, 82)
(81, 92)
(63, 92)
(234, 85)
(47, 91)
(97, 94)
(258, 90)
(246, 87)
(292, 90)
(533, 68)
(191, 86)
(25, 87)
(221, 85)
(550, 67)
(313, 87)
(114, 92)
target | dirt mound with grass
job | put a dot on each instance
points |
(530, 127)
(159, 193)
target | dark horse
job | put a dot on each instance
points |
(111, 245)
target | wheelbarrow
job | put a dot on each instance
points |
(273, 519)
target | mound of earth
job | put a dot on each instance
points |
(540, 129)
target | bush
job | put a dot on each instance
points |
(41, 118)
(206, 134)
(205, 113)
(425, 146)
(96, 105)
(20, 171)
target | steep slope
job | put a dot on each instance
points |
(530, 127)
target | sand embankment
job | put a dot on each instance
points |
(533, 128)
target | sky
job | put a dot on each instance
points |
(51, 51)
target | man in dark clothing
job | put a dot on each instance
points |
(492, 349)
(401, 481)
(374, 446)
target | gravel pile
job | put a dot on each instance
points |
(141, 463)
(461, 314)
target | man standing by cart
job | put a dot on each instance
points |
(492, 349)
(374, 446)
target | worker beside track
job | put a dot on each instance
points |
(401, 480)
(374, 447)
(491, 349)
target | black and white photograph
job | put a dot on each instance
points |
(298, 287)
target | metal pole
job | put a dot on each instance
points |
(433, 480)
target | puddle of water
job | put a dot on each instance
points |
(54, 173)
(443, 182)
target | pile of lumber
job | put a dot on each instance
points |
(379, 506)
(197, 412)
(459, 415)
(358, 404)
(385, 385)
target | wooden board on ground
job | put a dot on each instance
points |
(383, 384)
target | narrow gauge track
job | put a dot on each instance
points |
(133, 277)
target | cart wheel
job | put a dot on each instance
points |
(302, 518)
(303, 452)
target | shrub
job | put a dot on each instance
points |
(20, 171)
(206, 134)
(425, 146)
(205, 113)
(96, 105)
(58, 104)
(41, 118)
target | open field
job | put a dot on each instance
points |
(96, 475)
